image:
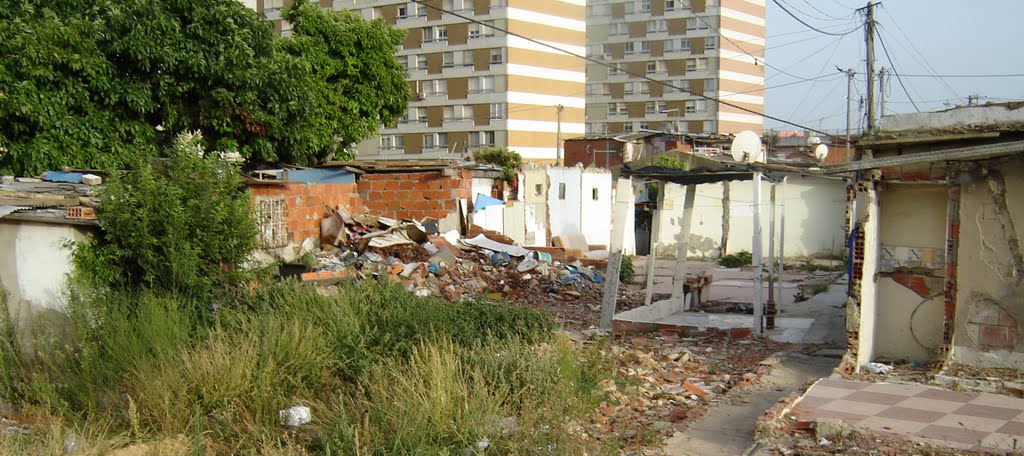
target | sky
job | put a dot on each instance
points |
(923, 37)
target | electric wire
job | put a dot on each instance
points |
(811, 26)
(921, 54)
(896, 72)
(815, 8)
(605, 64)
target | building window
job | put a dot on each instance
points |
(618, 29)
(615, 69)
(448, 59)
(481, 84)
(684, 44)
(645, 88)
(271, 219)
(594, 194)
(643, 126)
(481, 30)
(697, 65)
(657, 25)
(435, 141)
(645, 47)
(435, 87)
(630, 48)
(696, 23)
(497, 111)
(403, 11)
(627, 128)
(645, 6)
(652, 67)
(392, 142)
(481, 138)
(710, 42)
(606, 51)
(695, 106)
(435, 34)
(421, 62)
(661, 107)
(458, 112)
(670, 5)
(629, 8)
(670, 46)
(710, 85)
(561, 190)
(496, 56)
(650, 108)
(627, 88)
(454, 5)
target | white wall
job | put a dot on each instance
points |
(596, 213)
(814, 213)
(35, 265)
(564, 212)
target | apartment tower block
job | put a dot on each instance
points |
(473, 86)
(713, 48)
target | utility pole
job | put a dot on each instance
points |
(849, 111)
(558, 136)
(869, 41)
(881, 93)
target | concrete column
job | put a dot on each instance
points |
(868, 289)
(683, 246)
(623, 196)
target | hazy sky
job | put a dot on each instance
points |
(924, 37)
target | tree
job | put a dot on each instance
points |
(508, 160)
(180, 225)
(96, 84)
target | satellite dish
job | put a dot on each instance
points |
(746, 147)
(820, 152)
(812, 140)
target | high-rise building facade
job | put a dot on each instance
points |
(713, 48)
(474, 87)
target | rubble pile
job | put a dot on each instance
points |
(665, 381)
(429, 262)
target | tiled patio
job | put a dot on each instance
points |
(928, 414)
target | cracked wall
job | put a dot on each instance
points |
(912, 235)
(990, 294)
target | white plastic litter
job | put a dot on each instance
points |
(294, 416)
(878, 368)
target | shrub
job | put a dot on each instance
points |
(626, 272)
(508, 160)
(735, 260)
(182, 226)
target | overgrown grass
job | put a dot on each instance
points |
(383, 371)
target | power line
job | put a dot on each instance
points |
(815, 8)
(608, 65)
(1004, 75)
(811, 26)
(895, 72)
(914, 46)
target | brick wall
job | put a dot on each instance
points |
(414, 195)
(305, 204)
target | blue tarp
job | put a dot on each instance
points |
(61, 176)
(483, 201)
(320, 176)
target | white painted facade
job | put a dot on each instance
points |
(35, 265)
(814, 211)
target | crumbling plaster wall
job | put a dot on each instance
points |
(815, 210)
(534, 190)
(909, 310)
(990, 298)
(35, 266)
(564, 200)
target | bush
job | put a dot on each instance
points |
(181, 226)
(626, 272)
(736, 260)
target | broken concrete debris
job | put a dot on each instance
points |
(430, 263)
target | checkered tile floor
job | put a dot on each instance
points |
(954, 419)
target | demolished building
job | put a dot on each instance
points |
(935, 222)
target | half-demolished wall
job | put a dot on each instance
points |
(990, 293)
(814, 208)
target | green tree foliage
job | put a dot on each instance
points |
(508, 160)
(96, 84)
(180, 225)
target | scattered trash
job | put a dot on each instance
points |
(878, 368)
(294, 416)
